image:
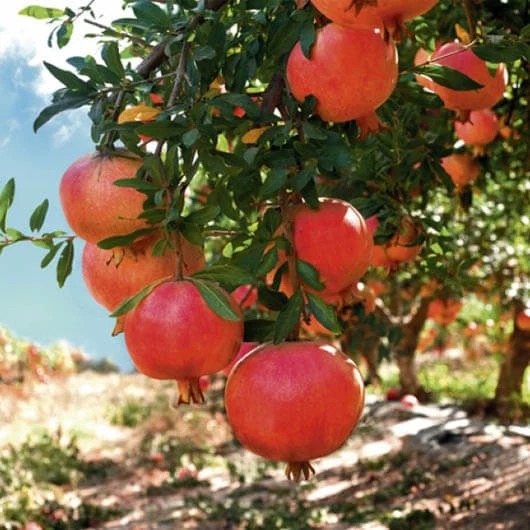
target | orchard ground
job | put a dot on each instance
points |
(87, 449)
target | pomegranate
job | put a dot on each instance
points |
(410, 401)
(245, 295)
(389, 13)
(294, 402)
(522, 320)
(480, 129)
(350, 72)
(96, 209)
(457, 56)
(461, 167)
(403, 247)
(245, 348)
(444, 311)
(334, 239)
(173, 334)
(111, 276)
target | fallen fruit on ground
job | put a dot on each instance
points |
(173, 334)
(93, 206)
(294, 402)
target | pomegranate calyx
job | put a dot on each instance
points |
(118, 326)
(188, 391)
(296, 470)
(359, 4)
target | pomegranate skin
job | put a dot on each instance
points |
(334, 239)
(294, 401)
(173, 334)
(461, 167)
(390, 13)
(109, 283)
(456, 56)
(96, 209)
(340, 72)
(480, 129)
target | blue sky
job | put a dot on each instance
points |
(31, 304)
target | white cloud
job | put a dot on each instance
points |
(12, 126)
(26, 38)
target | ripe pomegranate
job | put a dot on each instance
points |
(350, 72)
(245, 295)
(444, 311)
(461, 167)
(294, 402)
(111, 276)
(522, 320)
(410, 401)
(392, 14)
(393, 394)
(455, 55)
(96, 209)
(334, 239)
(243, 350)
(173, 334)
(480, 129)
(403, 247)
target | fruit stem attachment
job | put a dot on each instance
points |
(188, 391)
(296, 470)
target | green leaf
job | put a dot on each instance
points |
(190, 137)
(65, 263)
(326, 314)
(123, 241)
(307, 36)
(111, 55)
(41, 12)
(38, 216)
(501, 52)
(135, 299)
(309, 274)
(271, 299)
(448, 77)
(288, 317)
(6, 200)
(228, 276)
(274, 181)
(217, 300)
(204, 52)
(258, 330)
(204, 215)
(137, 184)
(71, 100)
(48, 258)
(67, 78)
(153, 15)
(64, 33)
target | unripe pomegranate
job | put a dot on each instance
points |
(403, 247)
(350, 72)
(96, 209)
(113, 275)
(455, 55)
(173, 334)
(480, 128)
(461, 167)
(389, 13)
(294, 402)
(522, 320)
(334, 239)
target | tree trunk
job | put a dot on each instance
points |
(406, 350)
(508, 394)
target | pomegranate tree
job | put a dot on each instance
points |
(174, 334)
(294, 402)
(350, 72)
(93, 206)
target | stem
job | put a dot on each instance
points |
(179, 273)
(111, 136)
(470, 22)
(115, 33)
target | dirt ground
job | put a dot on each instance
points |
(403, 468)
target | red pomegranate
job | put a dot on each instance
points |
(389, 13)
(522, 320)
(334, 239)
(403, 247)
(111, 276)
(457, 56)
(444, 311)
(461, 167)
(96, 209)
(245, 295)
(350, 72)
(245, 348)
(173, 334)
(480, 128)
(294, 402)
